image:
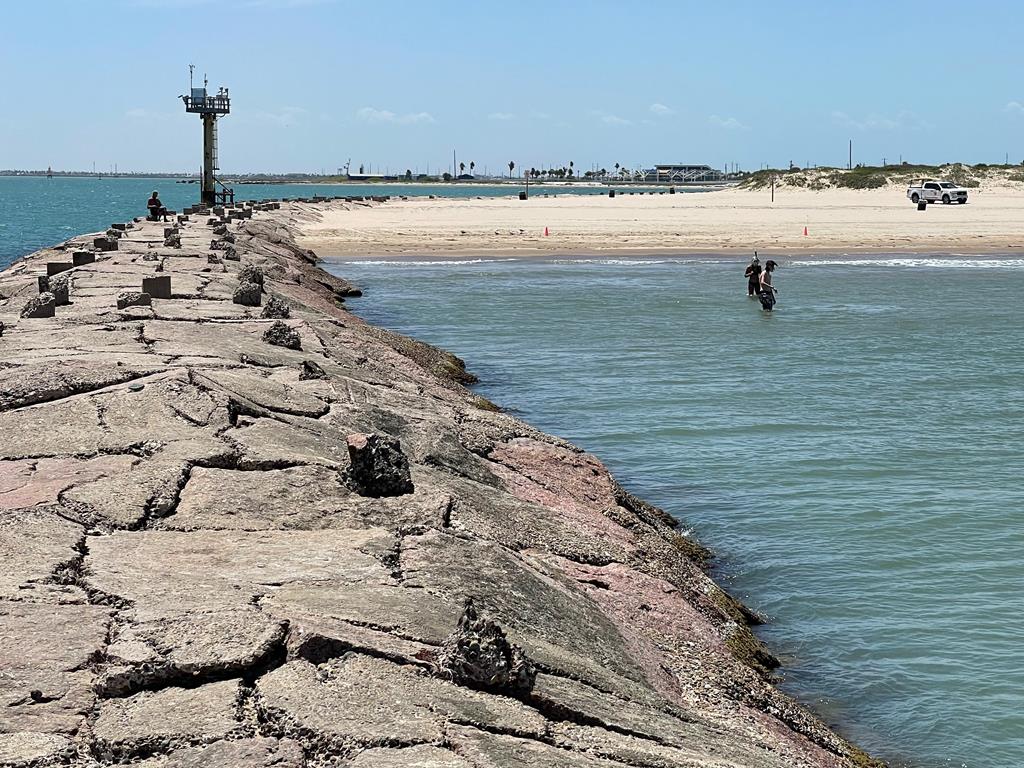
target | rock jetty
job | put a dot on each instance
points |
(240, 527)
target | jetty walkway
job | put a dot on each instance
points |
(240, 527)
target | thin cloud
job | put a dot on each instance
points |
(372, 115)
(185, 4)
(504, 116)
(904, 120)
(729, 123)
(610, 119)
(1014, 107)
(285, 116)
(140, 113)
(661, 109)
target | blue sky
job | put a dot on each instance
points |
(400, 84)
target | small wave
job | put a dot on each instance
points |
(416, 262)
(614, 262)
(948, 262)
(634, 261)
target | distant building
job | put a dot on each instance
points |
(683, 173)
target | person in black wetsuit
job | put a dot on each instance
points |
(156, 208)
(753, 275)
(767, 291)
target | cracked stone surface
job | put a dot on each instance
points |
(410, 757)
(202, 562)
(146, 654)
(301, 498)
(26, 750)
(46, 649)
(348, 695)
(153, 722)
(243, 753)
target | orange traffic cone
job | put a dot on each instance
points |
(546, 232)
(805, 231)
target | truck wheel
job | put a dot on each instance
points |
(945, 199)
(961, 201)
(914, 198)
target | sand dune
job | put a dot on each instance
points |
(733, 219)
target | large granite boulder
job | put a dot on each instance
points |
(248, 294)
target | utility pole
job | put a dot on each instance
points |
(850, 165)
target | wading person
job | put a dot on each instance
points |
(753, 275)
(767, 291)
(156, 208)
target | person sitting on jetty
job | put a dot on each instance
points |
(753, 275)
(767, 291)
(156, 208)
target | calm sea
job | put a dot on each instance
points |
(856, 459)
(36, 212)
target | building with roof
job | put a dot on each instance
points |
(681, 173)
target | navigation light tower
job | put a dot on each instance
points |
(209, 108)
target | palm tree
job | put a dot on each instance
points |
(570, 169)
(462, 168)
(511, 167)
(472, 165)
(616, 169)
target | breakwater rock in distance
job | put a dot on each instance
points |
(314, 546)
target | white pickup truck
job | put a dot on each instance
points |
(932, 191)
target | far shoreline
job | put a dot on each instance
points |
(723, 254)
(728, 223)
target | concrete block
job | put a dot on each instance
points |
(78, 258)
(60, 287)
(56, 267)
(44, 283)
(133, 299)
(119, 225)
(104, 244)
(157, 287)
(43, 305)
(168, 231)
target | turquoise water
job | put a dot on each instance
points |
(36, 212)
(855, 458)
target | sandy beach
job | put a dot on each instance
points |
(732, 220)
